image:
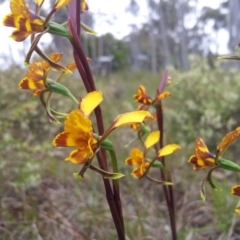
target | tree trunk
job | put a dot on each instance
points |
(164, 36)
(152, 39)
(234, 23)
(182, 35)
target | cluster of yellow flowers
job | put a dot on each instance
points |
(78, 129)
(203, 158)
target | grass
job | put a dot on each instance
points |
(40, 199)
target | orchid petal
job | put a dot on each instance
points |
(90, 102)
(130, 118)
(151, 139)
(168, 149)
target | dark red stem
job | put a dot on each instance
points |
(113, 196)
(168, 190)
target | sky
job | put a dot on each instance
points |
(110, 17)
(121, 24)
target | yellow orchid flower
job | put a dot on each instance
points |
(142, 97)
(202, 158)
(25, 21)
(137, 157)
(36, 73)
(78, 130)
(236, 191)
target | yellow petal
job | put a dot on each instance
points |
(84, 5)
(130, 118)
(71, 66)
(138, 172)
(90, 102)
(169, 149)
(55, 57)
(61, 3)
(151, 139)
(78, 156)
(19, 7)
(163, 95)
(228, 140)
(76, 123)
(237, 210)
(66, 139)
(39, 2)
(136, 158)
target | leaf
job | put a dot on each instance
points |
(229, 58)
(77, 176)
(202, 194)
(113, 175)
(88, 29)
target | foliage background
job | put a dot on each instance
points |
(40, 199)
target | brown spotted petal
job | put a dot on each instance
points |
(228, 140)
(55, 57)
(236, 190)
(142, 96)
(21, 23)
(201, 163)
(162, 95)
(19, 36)
(34, 79)
(202, 157)
(200, 149)
(23, 20)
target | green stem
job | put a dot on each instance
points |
(116, 191)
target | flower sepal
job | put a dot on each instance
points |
(157, 164)
(46, 105)
(209, 179)
(106, 174)
(60, 89)
(228, 165)
(58, 29)
(107, 144)
(77, 176)
(87, 29)
(159, 181)
(229, 58)
(145, 129)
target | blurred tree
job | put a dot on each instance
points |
(120, 55)
(163, 33)
(218, 19)
(233, 22)
(166, 20)
(181, 30)
(133, 7)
